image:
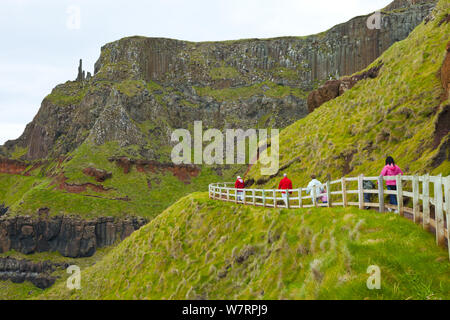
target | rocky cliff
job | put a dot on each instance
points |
(145, 87)
(72, 237)
(38, 273)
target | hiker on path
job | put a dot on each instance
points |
(285, 184)
(239, 184)
(391, 169)
(319, 188)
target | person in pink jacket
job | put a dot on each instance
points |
(391, 169)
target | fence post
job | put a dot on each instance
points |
(313, 194)
(329, 194)
(416, 205)
(361, 191)
(254, 196)
(287, 199)
(426, 201)
(439, 215)
(344, 192)
(264, 198)
(275, 205)
(398, 179)
(447, 207)
(300, 204)
(381, 208)
(245, 196)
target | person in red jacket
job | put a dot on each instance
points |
(285, 184)
(239, 184)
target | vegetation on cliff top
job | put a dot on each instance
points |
(393, 114)
(205, 249)
(136, 193)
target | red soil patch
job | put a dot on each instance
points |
(183, 172)
(12, 166)
(98, 174)
(61, 184)
(335, 88)
(445, 74)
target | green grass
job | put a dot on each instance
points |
(14, 187)
(267, 88)
(196, 250)
(69, 93)
(223, 73)
(25, 195)
(393, 114)
(131, 88)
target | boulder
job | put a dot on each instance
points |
(99, 174)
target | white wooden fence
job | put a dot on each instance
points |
(426, 199)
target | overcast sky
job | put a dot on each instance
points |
(42, 40)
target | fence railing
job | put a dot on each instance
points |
(426, 199)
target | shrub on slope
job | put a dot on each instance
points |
(205, 249)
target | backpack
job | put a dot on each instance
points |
(367, 184)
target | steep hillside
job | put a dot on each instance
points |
(205, 249)
(143, 88)
(403, 112)
(100, 145)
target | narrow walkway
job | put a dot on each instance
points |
(426, 199)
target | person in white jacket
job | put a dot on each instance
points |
(315, 183)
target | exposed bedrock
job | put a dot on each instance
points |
(143, 88)
(38, 273)
(334, 88)
(71, 237)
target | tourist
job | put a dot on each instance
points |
(319, 189)
(285, 184)
(391, 169)
(239, 184)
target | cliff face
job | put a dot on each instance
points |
(38, 273)
(69, 236)
(145, 87)
(342, 50)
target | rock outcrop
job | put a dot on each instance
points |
(99, 174)
(38, 273)
(3, 209)
(143, 88)
(72, 237)
(334, 88)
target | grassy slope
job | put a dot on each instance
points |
(393, 114)
(193, 250)
(26, 195)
